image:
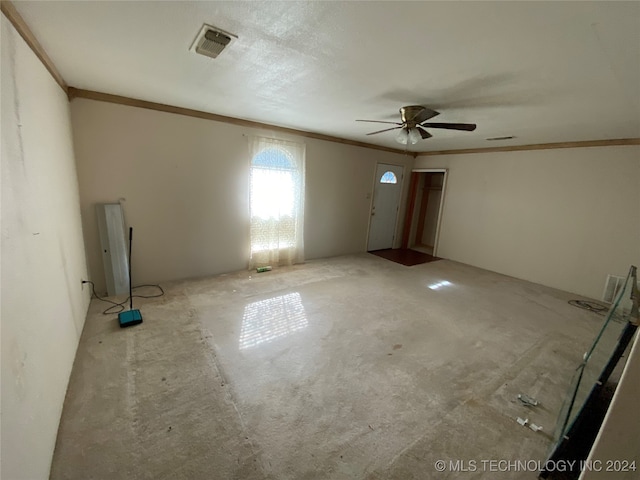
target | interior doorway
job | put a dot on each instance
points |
(424, 211)
(385, 206)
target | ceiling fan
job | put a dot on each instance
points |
(412, 127)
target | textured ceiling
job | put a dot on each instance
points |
(541, 71)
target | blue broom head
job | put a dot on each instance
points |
(129, 318)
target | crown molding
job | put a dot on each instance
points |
(9, 11)
(536, 146)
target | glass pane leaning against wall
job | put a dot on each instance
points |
(276, 189)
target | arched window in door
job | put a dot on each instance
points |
(388, 177)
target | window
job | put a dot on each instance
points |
(276, 189)
(388, 177)
(272, 184)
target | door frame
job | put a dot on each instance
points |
(412, 200)
(372, 199)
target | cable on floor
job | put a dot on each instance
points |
(594, 307)
(122, 305)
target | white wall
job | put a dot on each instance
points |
(185, 185)
(43, 260)
(564, 218)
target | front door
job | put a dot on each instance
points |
(386, 203)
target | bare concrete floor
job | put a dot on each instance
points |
(346, 368)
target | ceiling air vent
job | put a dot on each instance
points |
(211, 41)
(501, 138)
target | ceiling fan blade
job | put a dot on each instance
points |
(423, 133)
(424, 115)
(379, 121)
(385, 130)
(469, 127)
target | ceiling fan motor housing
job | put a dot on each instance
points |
(409, 114)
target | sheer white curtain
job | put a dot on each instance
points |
(276, 189)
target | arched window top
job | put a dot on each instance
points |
(273, 159)
(388, 177)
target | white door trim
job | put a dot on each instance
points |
(442, 199)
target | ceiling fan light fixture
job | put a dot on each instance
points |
(402, 137)
(414, 135)
(408, 136)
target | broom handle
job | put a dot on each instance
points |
(130, 286)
